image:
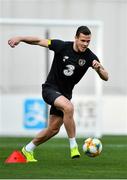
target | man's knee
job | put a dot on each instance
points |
(64, 105)
(69, 108)
(54, 130)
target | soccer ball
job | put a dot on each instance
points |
(92, 147)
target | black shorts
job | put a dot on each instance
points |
(49, 95)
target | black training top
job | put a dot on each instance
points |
(68, 66)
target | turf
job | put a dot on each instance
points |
(55, 163)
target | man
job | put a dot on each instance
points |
(70, 63)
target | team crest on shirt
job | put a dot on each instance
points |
(81, 62)
(65, 58)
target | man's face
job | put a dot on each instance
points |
(82, 42)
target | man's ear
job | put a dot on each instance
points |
(76, 37)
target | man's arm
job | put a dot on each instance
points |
(29, 40)
(100, 70)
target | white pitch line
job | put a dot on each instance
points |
(115, 145)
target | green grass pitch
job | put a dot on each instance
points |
(55, 162)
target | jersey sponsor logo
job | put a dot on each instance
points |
(81, 62)
(65, 58)
(69, 70)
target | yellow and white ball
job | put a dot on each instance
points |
(92, 147)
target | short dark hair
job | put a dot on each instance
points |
(83, 29)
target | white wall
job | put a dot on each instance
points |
(20, 117)
(22, 70)
(112, 120)
(115, 115)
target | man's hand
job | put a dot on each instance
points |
(14, 41)
(100, 70)
(96, 65)
(29, 40)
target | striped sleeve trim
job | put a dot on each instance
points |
(49, 42)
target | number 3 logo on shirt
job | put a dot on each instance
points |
(69, 71)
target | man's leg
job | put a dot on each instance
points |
(55, 123)
(53, 128)
(67, 108)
